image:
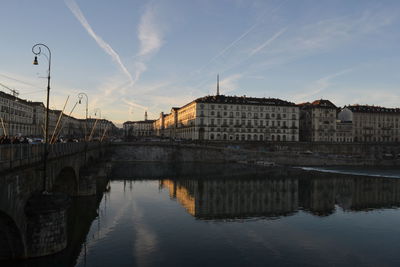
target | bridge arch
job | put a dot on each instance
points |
(11, 243)
(66, 182)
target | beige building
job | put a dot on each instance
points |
(16, 116)
(372, 123)
(223, 117)
(138, 128)
(318, 121)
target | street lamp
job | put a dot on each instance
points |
(80, 96)
(37, 50)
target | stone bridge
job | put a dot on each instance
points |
(32, 224)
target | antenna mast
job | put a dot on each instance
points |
(217, 84)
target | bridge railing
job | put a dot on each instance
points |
(15, 155)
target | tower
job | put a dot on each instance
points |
(217, 84)
(145, 115)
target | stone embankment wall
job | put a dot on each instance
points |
(298, 154)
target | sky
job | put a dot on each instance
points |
(133, 56)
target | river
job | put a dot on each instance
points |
(225, 215)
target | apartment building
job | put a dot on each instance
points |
(223, 117)
(372, 123)
(318, 121)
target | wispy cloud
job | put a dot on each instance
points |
(149, 33)
(318, 86)
(133, 104)
(73, 6)
(230, 83)
(113, 89)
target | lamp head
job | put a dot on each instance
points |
(35, 61)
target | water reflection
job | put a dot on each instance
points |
(319, 194)
(239, 216)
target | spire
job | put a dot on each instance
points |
(217, 84)
(145, 115)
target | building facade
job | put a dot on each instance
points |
(372, 123)
(16, 116)
(232, 118)
(318, 121)
(138, 128)
(25, 118)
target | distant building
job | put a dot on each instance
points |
(139, 128)
(318, 121)
(372, 123)
(26, 118)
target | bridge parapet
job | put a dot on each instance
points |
(20, 155)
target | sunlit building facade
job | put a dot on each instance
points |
(232, 118)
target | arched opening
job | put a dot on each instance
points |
(11, 245)
(66, 182)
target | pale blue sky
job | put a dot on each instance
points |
(130, 56)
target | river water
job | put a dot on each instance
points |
(225, 215)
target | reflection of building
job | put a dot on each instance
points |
(235, 198)
(320, 195)
(269, 197)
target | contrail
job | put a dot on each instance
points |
(270, 40)
(223, 51)
(73, 6)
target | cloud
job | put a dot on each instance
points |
(149, 33)
(133, 104)
(230, 83)
(73, 6)
(318, 86)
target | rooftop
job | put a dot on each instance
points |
(375, 109)
(223, 99)
(322, 103)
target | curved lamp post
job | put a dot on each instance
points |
(37, 50)
(80, 96)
